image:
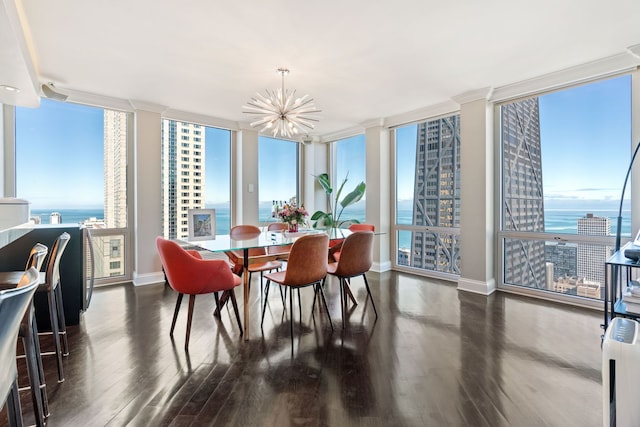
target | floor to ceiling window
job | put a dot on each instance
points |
(350, 163)
(196, 174)
(277, 175)
(427, 223)
(71, 165)
(564, 159)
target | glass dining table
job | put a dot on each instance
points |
(265, 239)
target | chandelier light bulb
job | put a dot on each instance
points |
(280, 113)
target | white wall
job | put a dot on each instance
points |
(147, 199)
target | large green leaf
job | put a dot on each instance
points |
(354, 196)
(324, 181)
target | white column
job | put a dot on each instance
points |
(477, 223)
(378, 195)
(147, 197)
(8, 151)
(314, 161)
(246, 176)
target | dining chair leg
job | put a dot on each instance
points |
(283, 295)
(291, 316)
(232, 295)
(315, 296)
(217, 311)
(342, 300)
(366, 283)
(326, 307)
(264, 303)
(348, 293)
(56, 333)
(175, 313)
(14, 411)
(299, 305)
(62, 324)
(192, 300)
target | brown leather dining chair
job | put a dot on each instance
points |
(249, 231)
(334, 252)
(189, 274)
(307, 266)
(355, 260)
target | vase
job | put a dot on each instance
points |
(293, 227)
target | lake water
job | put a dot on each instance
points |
(556, 221)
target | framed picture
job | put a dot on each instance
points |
(202, 224)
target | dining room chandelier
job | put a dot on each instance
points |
(280, 113)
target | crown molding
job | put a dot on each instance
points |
(201, 119)
(421, 114)
(600, 68)
(473, 95)
(95, 100)
(373, 123)
(634, 50)
(147, 106)
(342, 134)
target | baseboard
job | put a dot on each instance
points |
(148, 279)
(381, 267)
(477, 286)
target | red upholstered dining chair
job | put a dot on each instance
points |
(189, 274)
(250, 231)
(334, 252)
(307, 266)
(355, 260)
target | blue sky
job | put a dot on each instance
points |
(585, 134)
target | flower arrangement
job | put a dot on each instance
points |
(293, 215)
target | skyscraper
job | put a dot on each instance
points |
(436, 195)
(109, 250)
(591, 257)
(183, 172)
(522, 192)
(563, 257)
(115, 169)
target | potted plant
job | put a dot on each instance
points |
(332, 219)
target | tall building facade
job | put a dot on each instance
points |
(109, 253)
(183, 174)
(563, 258)
(523, 192)
(591, 257)
(115, 169)
(436, 198)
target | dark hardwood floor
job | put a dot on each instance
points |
(434, 357)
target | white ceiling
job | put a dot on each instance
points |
(361, 60)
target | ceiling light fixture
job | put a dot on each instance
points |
(9, 88)
(280, 113)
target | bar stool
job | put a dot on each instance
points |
(51, 284)
(13, 306)
(28, 333)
